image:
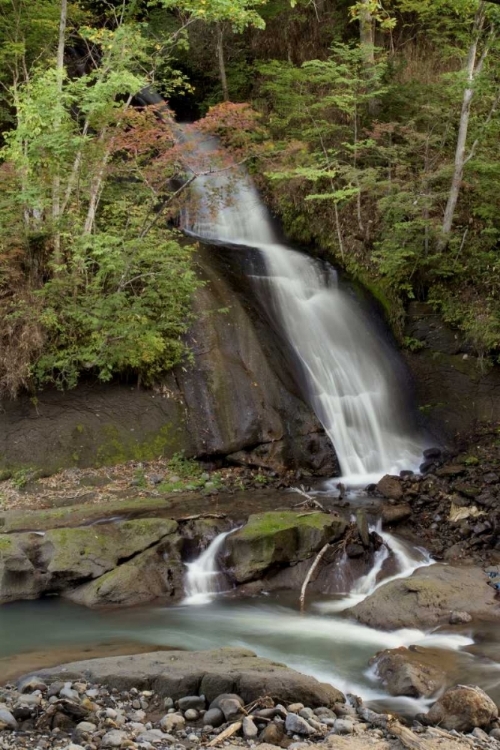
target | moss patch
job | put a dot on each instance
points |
(262, 524)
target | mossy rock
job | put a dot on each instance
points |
(18, 577)
(277, 539)
(76, 554)
(154, 574)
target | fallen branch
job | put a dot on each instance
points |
(196, 516)
(309, 575)
(232, 729)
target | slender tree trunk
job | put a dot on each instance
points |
(473, 69)
(222, 63)
(367, 41)
(56, 183)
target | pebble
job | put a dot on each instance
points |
(250, 731)
(191, 714)
(294, 708)
(343, 726)
(68, 692)
(306, 713)
(172, 721)
(297, 725)
(7, 720)
(213, 717)
(30, 684)
(196, 702)
(168, 703)
(115, 738)
(495, 733)
(86, 726)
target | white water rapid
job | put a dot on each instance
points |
(407, 559)
(202, 581)
(350, 379)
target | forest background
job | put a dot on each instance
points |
(372, 129)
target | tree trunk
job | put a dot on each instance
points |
(222, 64)
(56, 183)
(472, 69)
(367, 42)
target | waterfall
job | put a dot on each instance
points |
(350, 379)
(203, 577)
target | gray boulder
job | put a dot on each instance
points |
(427, 598)
(404, 671)
(209, 673)
(462, 708)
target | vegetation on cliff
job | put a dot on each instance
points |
(372, 128)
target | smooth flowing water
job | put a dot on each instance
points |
(203, 577)
(350, 376)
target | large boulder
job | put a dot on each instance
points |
(405, 671)
(272, 540)
(154, 574)
(428, 597)
(209, 673)
(19, 579)
(462, 708)
(75, 554)
(54, 561)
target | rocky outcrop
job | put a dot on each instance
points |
(454, 388)
(273, 540)
(428, 598)
(235, 398)
(407, 671)
(462, 708)
(209, 673)
(62, 560)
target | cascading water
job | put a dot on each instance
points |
(406, 557)
(349, 377)
(203, 576)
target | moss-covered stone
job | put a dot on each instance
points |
(88, 552)
(279, 538)
(156, 573)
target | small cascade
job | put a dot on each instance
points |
(350, 375)
(203, 578)
(406, 557)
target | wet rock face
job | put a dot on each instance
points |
(271, 540)
(236, 398)
(463, 708)
(125, 563)
(428, 597)
(402, 672)
(455, 388)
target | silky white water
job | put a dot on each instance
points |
(203, 576)
(350, 380)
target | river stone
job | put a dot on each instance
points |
(427, 597)
(115, 738)
(192, 701)
(343, 726)
(213, 717)
(250, 731)
(390, 487)
(403, 672)
(273, 734)
(7, 720)
(275, 538)
(462, 708)
(177, 673)
(230, 704)
(30, 684)
(172, 722)
(395, 513)
(295, 724)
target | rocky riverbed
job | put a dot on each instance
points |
(226, 698)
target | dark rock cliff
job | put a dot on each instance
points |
(235, 398)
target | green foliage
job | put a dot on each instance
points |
(120, 305)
